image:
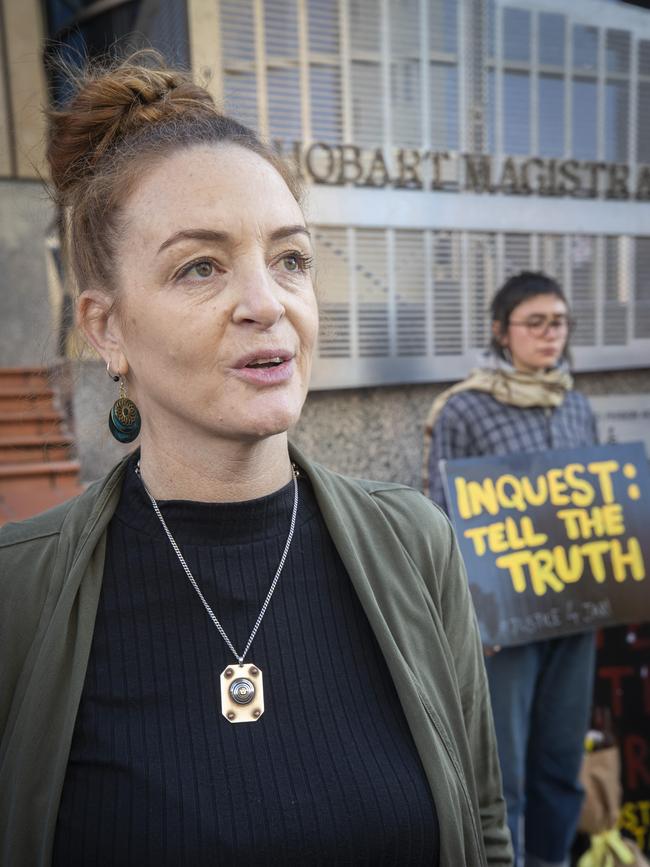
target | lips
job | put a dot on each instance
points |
(271, 362)
(266, 367)
(264, 359)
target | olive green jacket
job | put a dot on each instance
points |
(402, 559)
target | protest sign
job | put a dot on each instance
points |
(554, 542)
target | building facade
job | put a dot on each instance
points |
(446, 145)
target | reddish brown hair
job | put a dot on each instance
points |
(121, 117)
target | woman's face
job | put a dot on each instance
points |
(216, 313)
(537, 333)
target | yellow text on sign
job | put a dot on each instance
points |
(552, 569)
(506, 535)
(561, 486)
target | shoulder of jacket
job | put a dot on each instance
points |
(38, 527)
(411, 513)
(405, 498)
(458, 404)
(351, 484)
(579, 397)
(51, 522)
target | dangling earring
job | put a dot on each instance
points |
(123, 419)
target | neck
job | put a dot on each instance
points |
(519, 367)
(224, 471)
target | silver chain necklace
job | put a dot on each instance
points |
(242, 692)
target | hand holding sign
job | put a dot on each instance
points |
(534, 526)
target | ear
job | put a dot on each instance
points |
(98, 320)
(500, 334)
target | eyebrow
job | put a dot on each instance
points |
(223, 237)
(287, 231)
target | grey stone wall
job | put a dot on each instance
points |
(27, 333)
(375, 432)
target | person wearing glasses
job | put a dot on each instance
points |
(522, 400)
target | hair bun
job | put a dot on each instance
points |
(110, 105)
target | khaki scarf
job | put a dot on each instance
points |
(545, 388)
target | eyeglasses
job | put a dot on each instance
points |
(538, 324)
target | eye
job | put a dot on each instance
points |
(202, 269)
(294, 262)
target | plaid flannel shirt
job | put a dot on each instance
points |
(473, 424)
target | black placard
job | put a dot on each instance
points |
(554, 542)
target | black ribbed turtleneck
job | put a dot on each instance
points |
(329, 774)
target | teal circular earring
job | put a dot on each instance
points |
(124, 420)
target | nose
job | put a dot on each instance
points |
(257, 303)
(552, 331)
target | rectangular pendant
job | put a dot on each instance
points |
(242, 693)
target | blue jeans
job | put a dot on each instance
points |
(541, 699)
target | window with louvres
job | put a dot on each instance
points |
(584, 272)
(428, 273)
(325, 75)
(643, 107)
(642, 288)
(552, 258)
(482, 281)
(584, 92)
(617, 96)
(444, 76)
(516, 253)
(366, 80)
(372, 293)
(616, 290)
(405, 74)
(448, 317)
(516, 81)
(333, 280)
(551, 90)
(238, 51)
(281, 43)
(411, 290)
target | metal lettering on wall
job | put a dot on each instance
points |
(414, 169)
